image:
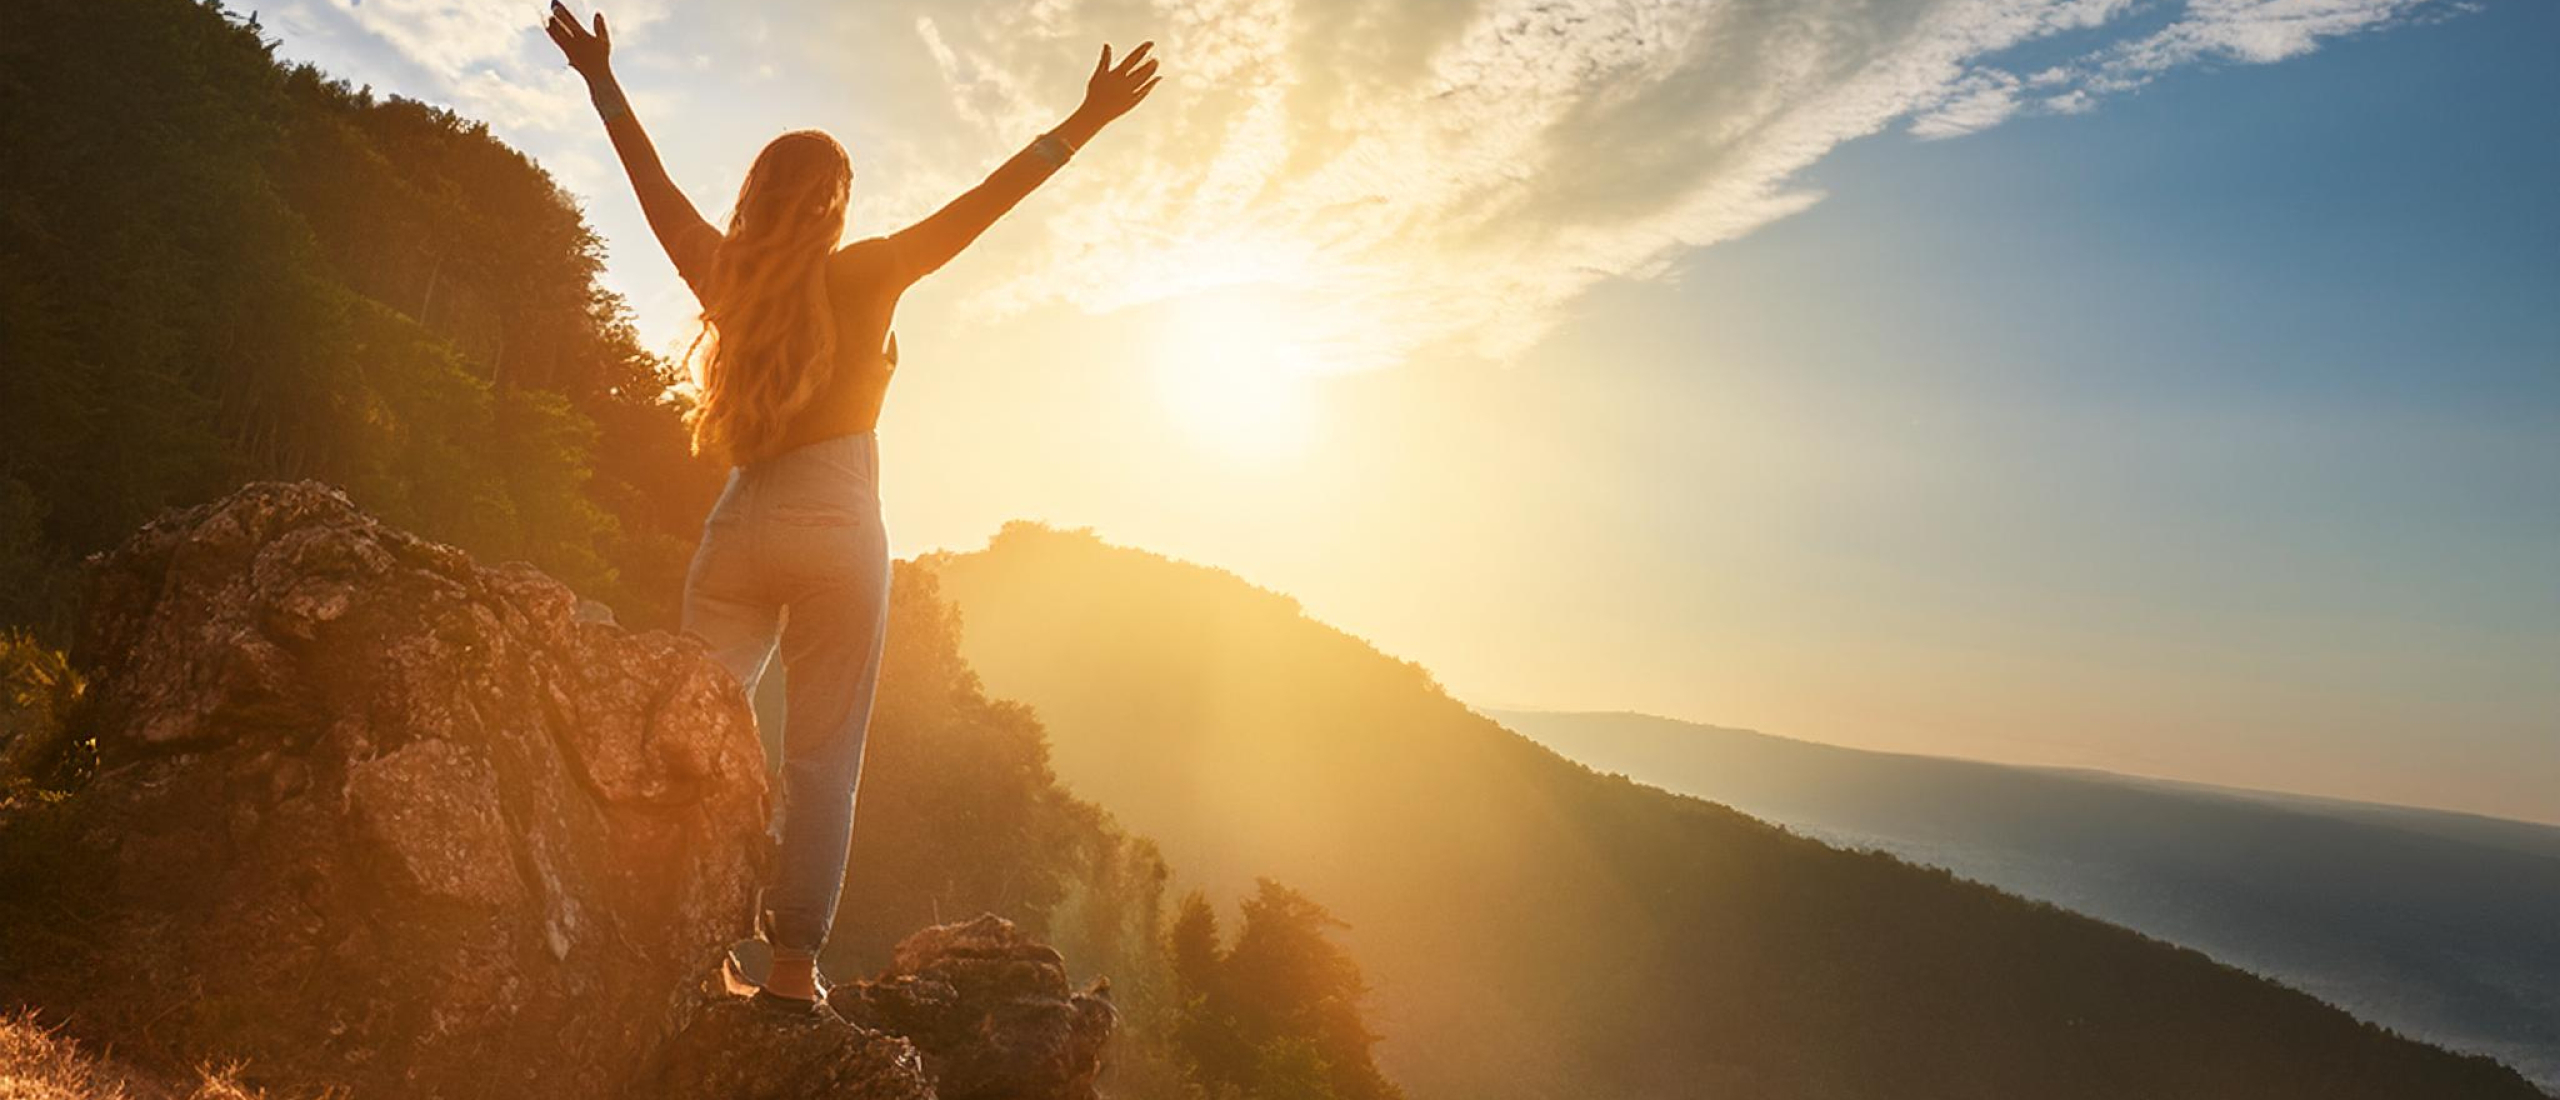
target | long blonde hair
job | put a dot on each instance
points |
(768, 335)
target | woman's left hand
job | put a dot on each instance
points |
(1114, 89)
(589, 52)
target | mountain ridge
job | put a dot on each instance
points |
(1534, 927)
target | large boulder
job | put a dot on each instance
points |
(371, 816)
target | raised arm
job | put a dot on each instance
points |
(689, 240)
(1110, 93)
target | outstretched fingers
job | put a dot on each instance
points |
(584, 46)
(564, 29)
(1117, 87)
(1129, 65)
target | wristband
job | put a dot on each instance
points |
(1053, 149)
(609, 103)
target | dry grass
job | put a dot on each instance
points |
(37, 1063)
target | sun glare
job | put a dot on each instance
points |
(1238, 376)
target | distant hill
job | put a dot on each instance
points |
(1533, 928)
(2444, 926)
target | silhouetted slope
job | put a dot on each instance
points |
(2442, 925)
(1533, 928)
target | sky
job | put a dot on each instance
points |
(2171, 388)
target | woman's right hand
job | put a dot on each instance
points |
(589, 52)
(1113, 90)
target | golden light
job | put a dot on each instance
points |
(1237, 371)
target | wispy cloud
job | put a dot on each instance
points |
(1453, 174)
(1403, 175)
(2247, 31)
(486, 58)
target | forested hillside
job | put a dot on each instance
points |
(1533, 928)
(214, 268)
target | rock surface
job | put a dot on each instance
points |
(991, 1011)
(730, 1049)
(968, 1011)
(380, 822)
(371, 816)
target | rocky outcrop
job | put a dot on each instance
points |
(378, 820)
(375, 816)
(991, 1011)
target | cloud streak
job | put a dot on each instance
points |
(486, 58)
(1404, 176)
(1448, 176)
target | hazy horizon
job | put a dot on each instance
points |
(2170, 390)
(1496, 711)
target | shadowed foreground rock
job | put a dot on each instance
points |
(991, 1011)
(729, 1049)
(372, 818)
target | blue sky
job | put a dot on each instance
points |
(2265, 357)
(2166, 387)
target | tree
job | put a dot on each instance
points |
(1278, 1014)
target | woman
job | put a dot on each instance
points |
(793, 362)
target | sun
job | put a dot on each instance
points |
(1238, 373)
